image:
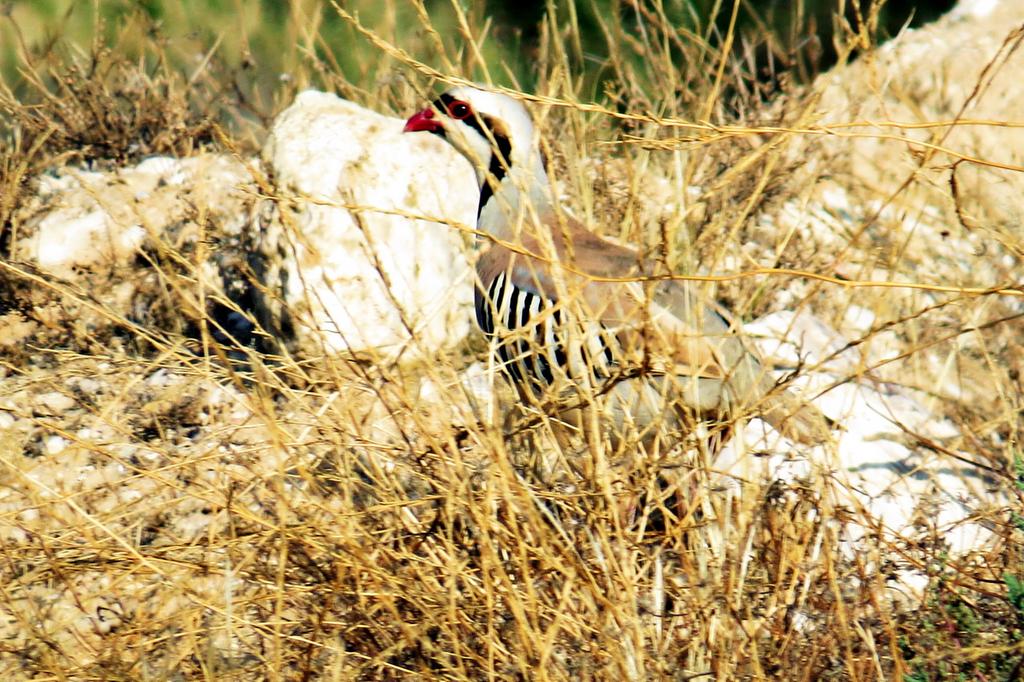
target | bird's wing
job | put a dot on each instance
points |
(661, 325)
(666, 326)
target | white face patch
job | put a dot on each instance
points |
(507, 118)
(469, 143)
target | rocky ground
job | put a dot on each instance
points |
(246, 429)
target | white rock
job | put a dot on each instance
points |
(479, 382)
(55, 402)
(790, 339)
(67, 238)
(55, 445)
(363, 278)
(161, 166)
(87, 385)
(83, 219)
(876, 467)
(858, 320)
(974, 9)
(162, 378)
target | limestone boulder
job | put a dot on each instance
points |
(366, 237)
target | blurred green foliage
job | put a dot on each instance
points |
(274, 39)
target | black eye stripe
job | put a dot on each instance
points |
(445, 101)
(483, 125)
(501, 154)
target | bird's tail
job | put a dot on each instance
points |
(796, 419)
(754, 390)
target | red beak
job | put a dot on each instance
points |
(423, 121)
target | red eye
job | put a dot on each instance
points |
(459, 110)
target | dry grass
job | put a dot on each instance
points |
(175, 504)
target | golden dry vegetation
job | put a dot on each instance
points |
(180, 502)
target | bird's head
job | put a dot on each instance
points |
(492, 130)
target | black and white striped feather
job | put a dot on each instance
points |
(537, 342)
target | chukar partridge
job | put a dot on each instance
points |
(575, 319)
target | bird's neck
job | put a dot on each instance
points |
(512, 196)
